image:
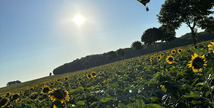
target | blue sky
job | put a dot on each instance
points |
(37, 36)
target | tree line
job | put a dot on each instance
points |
(120, 54)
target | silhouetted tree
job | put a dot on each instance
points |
(137, 45)
(120, 52)
(167, 35)
(175, 12)
(207, 23)
(13, 82)
(150, 36)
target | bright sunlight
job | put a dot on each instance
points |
(79, 19)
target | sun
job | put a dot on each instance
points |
(79, 19)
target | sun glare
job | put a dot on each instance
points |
(79, 19)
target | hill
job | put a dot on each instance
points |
(101, 59)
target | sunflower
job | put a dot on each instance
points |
(170, 59)
(66, 78)
(34, 96)
(151, 59)
(15, 97)
(45, 90)
(173, 52)
(197, 63)
(8, 94)
(124, 63)
(89, 76)
(59, 95)
(4, 101)
(179, 50)
(211, 46)
(159, 57)
(93, 75)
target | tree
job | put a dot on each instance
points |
(151, 35)
(13, 82)
(175, 12)
(207, 23)
(120, 52)
(167, 35)
(137, 45)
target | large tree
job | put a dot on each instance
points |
(137, 45)
(151, 35)
(175, 12)
(167, 35)
(207, 23)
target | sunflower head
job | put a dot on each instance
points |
(89, 76)
(211, 46)
(66, 78)
(34, 96)
(197, 63)
(15, 97)
(45, 90)
(173, 52)
(151, 59)
(59, 95)
(4, 101)
(159, 57)
(170, 59)
(8, 94)
(179, 50)
(93, 74)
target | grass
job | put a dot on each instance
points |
(143, 81)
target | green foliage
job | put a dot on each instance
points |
(120, 52)
(131, 83)
(137, 45)
(151, 35)
(175, 12)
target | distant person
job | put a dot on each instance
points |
(50, 74)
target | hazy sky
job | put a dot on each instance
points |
(37, 36)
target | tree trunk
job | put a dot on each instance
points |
(156, 48)
(194, 38)
(210, 36)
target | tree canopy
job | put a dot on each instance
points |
(151, 35)
(175, 12)
(137, 45)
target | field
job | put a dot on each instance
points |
(179, 77)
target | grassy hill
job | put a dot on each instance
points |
(179, 77)
(91, 61)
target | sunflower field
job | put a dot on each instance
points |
(176, 78)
